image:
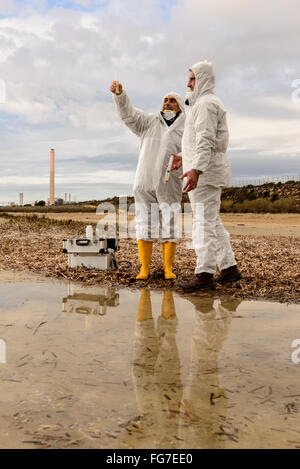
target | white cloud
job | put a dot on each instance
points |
(6, 7)
(57, 65)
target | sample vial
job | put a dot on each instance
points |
(89, 232)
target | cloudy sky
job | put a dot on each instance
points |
(58, 57)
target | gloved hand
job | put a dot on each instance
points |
(116, 87)
(191, 180)
(177, 162)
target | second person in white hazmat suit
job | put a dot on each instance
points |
(161, 135)
(207, 169)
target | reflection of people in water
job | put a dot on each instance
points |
(205, 401)
(168, 416)
(156, 373)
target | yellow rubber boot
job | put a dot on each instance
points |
(144, 308)
(169, 251)
(168, 305)
(145, 253)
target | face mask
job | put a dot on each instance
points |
(188, 97)
(169, 115)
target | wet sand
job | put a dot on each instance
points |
(285, 224)
(95, 367)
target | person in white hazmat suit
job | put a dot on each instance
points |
(161, 136)
(207, 170)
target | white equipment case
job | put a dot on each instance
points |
(97, 253)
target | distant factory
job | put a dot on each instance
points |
(52, 200)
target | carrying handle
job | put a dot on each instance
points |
(82, 242)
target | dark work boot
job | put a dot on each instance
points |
(229, 275)
(199, 282)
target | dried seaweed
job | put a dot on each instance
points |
(270, 265)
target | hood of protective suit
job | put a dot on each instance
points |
(205, 81)
(178, 98)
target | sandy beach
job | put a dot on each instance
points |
(283, 224)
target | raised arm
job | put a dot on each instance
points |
(137, 120)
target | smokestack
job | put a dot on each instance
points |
(21, 199)
(66, 197)
(70, 200)
(52, 201)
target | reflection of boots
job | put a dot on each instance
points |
(203, 304)
(169, 250)
(144, 308)
(145, 253)
(168, 305)
(230, 304)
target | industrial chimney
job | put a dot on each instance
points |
(52, 197)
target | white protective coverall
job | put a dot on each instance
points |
(158, 141)
(204, 146)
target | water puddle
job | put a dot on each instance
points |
(92, 367)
